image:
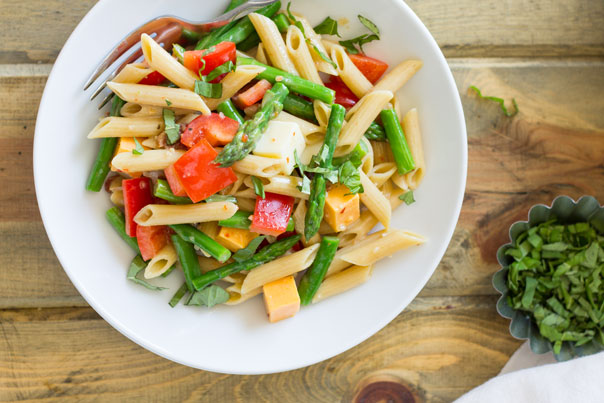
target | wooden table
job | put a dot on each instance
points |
(547, 54)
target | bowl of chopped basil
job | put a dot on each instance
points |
(552, 278)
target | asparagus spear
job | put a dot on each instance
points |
(250, 132)
(294, 83)
(376, 132)
(201, 240)
(265, 255)
(117, 221)
(229, 110)
(355, 156)
(178, 295)
(299, 107)
(162, 190)
(316, 201)
(398, 143)
(313, 278)
(100, 169)
(188, 260)
(234, 4)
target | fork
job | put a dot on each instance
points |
(165, 30)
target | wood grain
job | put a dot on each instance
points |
(72, 354)
(554, 146)
(463, 28)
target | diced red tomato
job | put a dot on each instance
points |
(174, 181)
(344, 96)
(153, 78)
(370, 67)
(151, 239)
(252, 95)
(199, 175)
(213, 57)
(216, 128)
(137, 194)
(271, 214)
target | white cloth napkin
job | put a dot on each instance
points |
(532, 378)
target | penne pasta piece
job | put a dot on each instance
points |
(375, 201)
(349, 73)
(161, 262)
(310, 151)
(322, 112)
(233, 82)
(132, 73)
(308, 129)
(368, 159)
(261, 54)
(397, 77)
(281, 184)
(299, 214)
(151, 160)
(134, 110)
(382, 172)
(342, 281)
(378, 246)
(162, 61)
(151, 142)
(316, 42)
(414, 140)
(368, 108)
(238, 298)
(207, 264)
(117, 198)
(260, 166)
(396, 104)
(114, 126)
(358, 229)
(337, 264)
(279, 268)
(272, 41)
(165, 214)
(247, 203)
(210, 228)
(300, 55)
(381, 152)
(233, 188)
(156, 95)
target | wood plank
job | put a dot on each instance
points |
(554, 146)
(463, 28)
(441, 346)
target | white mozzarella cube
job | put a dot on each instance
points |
(279, 141)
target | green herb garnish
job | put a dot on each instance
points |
(349, 175)
(556, 278)
(407, 197)
(178, 52)
(138, 150)
(258, 187)
(136, 267)
(329, 26)
(171, 128)
(500, 101)
(209, 296)
(168, 102)
(220, 70)
(351, 44)
(208, 90)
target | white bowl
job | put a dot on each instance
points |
(239, 339)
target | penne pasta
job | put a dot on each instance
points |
(322, 112)
(349, 73)
(375, 201)
(261, 54)
(236, 297)
(151, 160)
(233, 82)
(381, 152)
(358, 229)
(247, 203)
(367, 110)
(127, 127)
(300, 55)
(310, 151)
(272, 41)
(378, 246)
(382, 172)
(414, 140)
(164, 214)
(342, 281)
(279, 268)
(299, 214)
(117, 198)
(281, 184)
(156, 95)
(132, 73)
(261, 166)
(162, 61)
(397, 77)
(161, 262)
(317, 44)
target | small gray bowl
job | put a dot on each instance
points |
(586, 209)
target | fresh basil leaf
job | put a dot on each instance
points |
(407, 197)
(137, 266)
(305, 187)
(138, 149)
(349, 176)
(178, 52)
(322, 55)
(329, 26)
(209, 296)
(171, 128)
(220, 198)
(258, 187)
(168, 102)
(358, 41)
(370, 25)
(349, 46)
(220, 70)
(249, 250)
(500, 101)
(208, 90)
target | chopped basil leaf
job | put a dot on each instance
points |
(208, 90)
(209, 296)
(171, 128)
(258, 187)
(500, 101)
(220, 198)
(370, 25)
(329, 26)
(220, 70)
(136, 267)
(349, 176)
(168, 102)
(322, 55)
(178, 295)
(249, 250)
(178, 52)
(360, 41)
(407, 197)
(138, 150)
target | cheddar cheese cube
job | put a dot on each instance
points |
(341, 207)
(281, 299)
(279, 141)
(234, 238)
(126, 145)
